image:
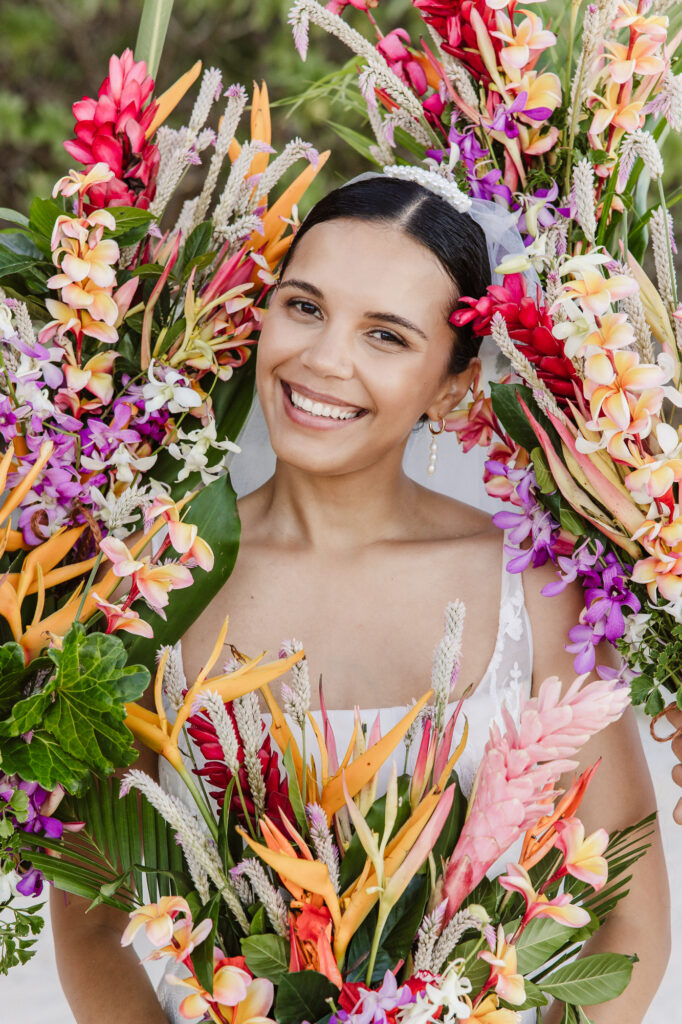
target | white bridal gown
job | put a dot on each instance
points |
(506, 682)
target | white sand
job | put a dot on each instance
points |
(31, 995)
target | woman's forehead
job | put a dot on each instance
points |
(371, 260)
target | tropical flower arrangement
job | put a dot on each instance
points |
(298, 892)
(127, 322)
(563, 129)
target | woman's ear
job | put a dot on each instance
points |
(455, 387)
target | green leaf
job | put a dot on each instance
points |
(13, 263)
(542, 474)
(678, 699)
(506, 406)
(258, 925)
(405, 919)
(640, 687)
(202, 956)
(303, 996)
(542, 938)
(77, 719)
(13, 216)
(267, 956)
(42, 215)
(131, 224)
(12, 669)
(362, 144)
(198, 244)
(590, 980)
(214, 512)
(295, 798)
(152, 32)
(571, 521)
(654, 703)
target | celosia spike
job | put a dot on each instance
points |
(274, 224)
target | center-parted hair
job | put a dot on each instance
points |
(457, 242)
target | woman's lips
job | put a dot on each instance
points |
(316, 420)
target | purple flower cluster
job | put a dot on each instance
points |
(92, 438)
(488, 185)
(606, 597)
(33, 813)
(532, 522)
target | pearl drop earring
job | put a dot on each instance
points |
(433, 447)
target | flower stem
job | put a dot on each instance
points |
(378, 931)
(88, 585)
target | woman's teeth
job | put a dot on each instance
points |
(333, 412)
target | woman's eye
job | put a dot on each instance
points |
(388, 338)
(304, 306)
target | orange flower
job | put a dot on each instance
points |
(310, 932)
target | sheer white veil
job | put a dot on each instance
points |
(457, 475)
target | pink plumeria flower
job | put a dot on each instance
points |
(538, 905)
(523, 41)
(119, 619)
(80, 182)
(157, 920)
(583, 858)
(123, 564)
(200, 554)
(507, 982)
(184, 941)
(633, 58)
(595, 293)
(154, 583)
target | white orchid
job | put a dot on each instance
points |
(172, 392)
(193, 450)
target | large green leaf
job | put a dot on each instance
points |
(114, 859)
(76, 722)
(14, 263)
(303, 996)
(542, 938)
(590, 980)
(267, 956)
(152, 32)
(214, 512)
(505, 401)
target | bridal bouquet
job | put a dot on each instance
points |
(563, 129)
(127, 319)
(301, 893)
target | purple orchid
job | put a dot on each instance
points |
(606, 601)
(579, 563)
(373, 1006)
(584, 639)
(533, 521)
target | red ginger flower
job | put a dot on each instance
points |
(112, 130)
(452, 21)
(201, 729)
(529, 323)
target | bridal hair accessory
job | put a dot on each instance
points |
(437, 183)
(433, 447)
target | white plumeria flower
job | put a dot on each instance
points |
(576, 329)
(172, 392)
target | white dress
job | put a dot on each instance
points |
(506, 681)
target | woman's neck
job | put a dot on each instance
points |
(339, 512)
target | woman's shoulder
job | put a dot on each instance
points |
(447, 519)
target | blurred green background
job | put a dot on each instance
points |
(52, 52)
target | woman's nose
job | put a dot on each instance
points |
(329, 353)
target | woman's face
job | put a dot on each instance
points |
(355, 347)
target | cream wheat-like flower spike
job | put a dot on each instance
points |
(272, 900)
(661, 229)
(523, 366)
(234, 109)
(583, 188)
(249, 723)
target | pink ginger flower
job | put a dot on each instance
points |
(513, 787)
(112, 129)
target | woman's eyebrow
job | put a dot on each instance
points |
(304, 286)
(399, 321)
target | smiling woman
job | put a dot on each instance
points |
(343, 550)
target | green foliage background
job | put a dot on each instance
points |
(54, 51)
